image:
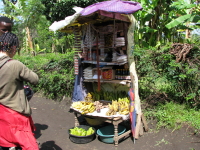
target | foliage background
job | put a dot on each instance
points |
(56, 73)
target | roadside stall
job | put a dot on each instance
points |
(106, 84)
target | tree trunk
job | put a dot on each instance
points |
(30, 43)
(187, 34)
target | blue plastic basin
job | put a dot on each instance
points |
(106, 133)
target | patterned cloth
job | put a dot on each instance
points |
(132, 111)
(79, 92)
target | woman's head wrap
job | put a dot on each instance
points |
(8, 41)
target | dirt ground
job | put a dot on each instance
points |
(53, 119)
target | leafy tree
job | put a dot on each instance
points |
(56, 10)
(31, 26)
(161, 20)
(187, 12)
(12, 1)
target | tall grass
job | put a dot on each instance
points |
(173, 115)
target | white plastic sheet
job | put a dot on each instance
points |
(57, 25)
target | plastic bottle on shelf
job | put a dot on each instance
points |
(123, 74)
(94, 55)
(120, 74)
(116, 74)
(128, 74)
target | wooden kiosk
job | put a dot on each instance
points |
(104, 44)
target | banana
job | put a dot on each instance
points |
(92, 109)
(90, 105)
(77, 105)
(115, 107)
(85, 112)
(125, 112)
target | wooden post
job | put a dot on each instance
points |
(138, 124)
(145, 123)
(134, 79)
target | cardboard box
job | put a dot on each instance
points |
(108, 73)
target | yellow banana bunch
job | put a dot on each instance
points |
(121, 106)
(110, 110)
(124, 112)
(115, 105)
(124, 99)
(124, 107)
(84, 107)
(77, 105)
(90, 108)
(89, 98)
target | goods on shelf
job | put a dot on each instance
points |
(120, 41)
(114, 57)
(122, 59)
(95, 73)
(87, 73)
(108, 73)
(122, 74)
(108, 53)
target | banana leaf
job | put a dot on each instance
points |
(178, 21)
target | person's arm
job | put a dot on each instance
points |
(27, 75)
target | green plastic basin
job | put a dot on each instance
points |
(106, 133)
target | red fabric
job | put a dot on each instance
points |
(16, 130)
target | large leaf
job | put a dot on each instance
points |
(148, 17)
(194, 19)
(178, 21)
(182, 6)
(183, 27)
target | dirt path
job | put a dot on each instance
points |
(53, 119)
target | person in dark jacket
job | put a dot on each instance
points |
(16, 125)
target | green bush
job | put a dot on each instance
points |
(56, 73)
(160, 74)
